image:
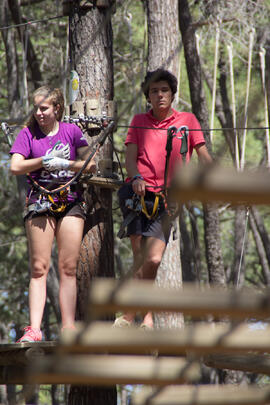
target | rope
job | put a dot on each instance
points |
(262, 60)
(31, 22)
(251, 41)
(242, 250)
(236, 145)
(214, 82)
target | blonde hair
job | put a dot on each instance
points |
(53, 95)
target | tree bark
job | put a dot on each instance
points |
(238, 271)
(163, 35)
(163, 51)
(260, 248)
(91, 57)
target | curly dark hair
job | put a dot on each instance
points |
(156, 76)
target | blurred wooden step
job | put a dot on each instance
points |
(112, 369)
(203, 395)
(199, 338)
(221, 184)
(109, 296)
(249, 362)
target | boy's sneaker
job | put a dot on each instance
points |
(30, 335)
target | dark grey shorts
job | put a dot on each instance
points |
(159, 227)
(72, 209)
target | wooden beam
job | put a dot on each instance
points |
(103, 182)
(22, 353)
(15, 357)
(111, 370)
(219, 184)
(199, 338)
(203, 395)
(249, 362)
(109, 296)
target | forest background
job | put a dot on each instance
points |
(32, 54)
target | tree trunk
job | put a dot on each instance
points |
(163, 50)
(163, 35)
(91, 47)
(199, 108)
(238, 271)
(261, 251)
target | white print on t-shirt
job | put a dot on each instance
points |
(59, 150)
(56, 174)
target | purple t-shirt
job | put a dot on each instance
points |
(33, 144)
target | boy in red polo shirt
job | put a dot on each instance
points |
(145, 163)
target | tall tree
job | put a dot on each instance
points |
(163, 51)
(91, 57)
(199, 108)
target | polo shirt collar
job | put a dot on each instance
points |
(162, 123)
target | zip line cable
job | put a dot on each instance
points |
(31, 22)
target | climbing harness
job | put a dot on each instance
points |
(96, 148)
(171, 133)
(138, 205)
(155, 207)
(45, 201)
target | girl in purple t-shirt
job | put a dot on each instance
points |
(48, 150)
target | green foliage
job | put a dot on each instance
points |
(235, 20)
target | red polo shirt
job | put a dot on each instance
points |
(151, 141)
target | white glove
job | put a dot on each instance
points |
(52, 163)
(63, 153)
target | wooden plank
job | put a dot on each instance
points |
(21, 353)
(104, 182)
(203, 395)
(199, 338)
(221, 184)
(111, 370)
(249, 362)
(110, 295)
(13, 374)
(15, 357)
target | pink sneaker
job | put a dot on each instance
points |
(31, 335)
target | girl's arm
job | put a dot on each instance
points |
(20, 165)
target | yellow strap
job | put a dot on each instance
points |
(154, 211)
(61, 208)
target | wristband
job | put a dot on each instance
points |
(137, 176)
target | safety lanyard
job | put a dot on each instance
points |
(155, 207)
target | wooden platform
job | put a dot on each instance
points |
(15, 358)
